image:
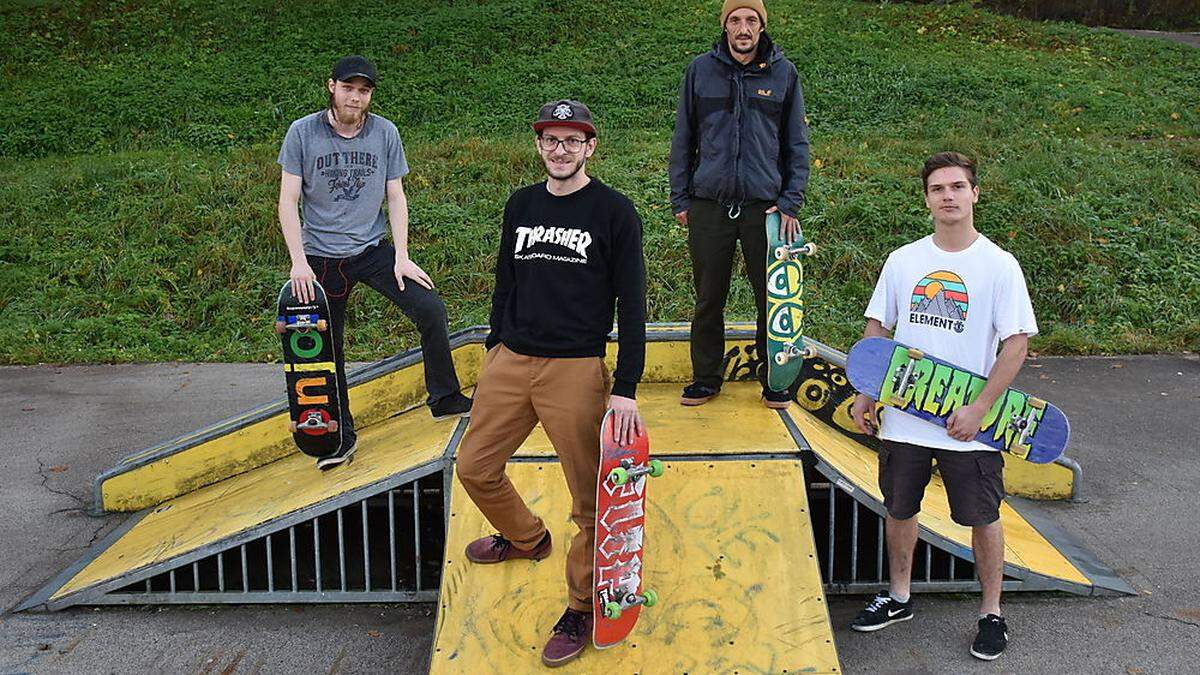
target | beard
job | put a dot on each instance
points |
(559, 172)
(346, 116)
(733, 46)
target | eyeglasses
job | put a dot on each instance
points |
(550, 143)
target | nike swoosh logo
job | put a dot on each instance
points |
(891, 613)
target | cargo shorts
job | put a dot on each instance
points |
(974, 481)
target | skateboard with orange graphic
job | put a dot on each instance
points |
(309, 369)
(618, 594)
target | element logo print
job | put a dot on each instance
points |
(563, 112)
(940, 300)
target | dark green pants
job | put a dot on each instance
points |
(712, 241)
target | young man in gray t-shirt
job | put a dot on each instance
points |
(339, 165)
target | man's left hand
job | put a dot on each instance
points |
(963, 424)
(627, 421)
(410, 269)
(789, 227)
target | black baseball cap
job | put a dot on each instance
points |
(350, 67)
(565, 113)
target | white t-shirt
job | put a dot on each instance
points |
(956, 306)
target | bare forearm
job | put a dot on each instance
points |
(398, 219)
(1008, 364)
(289, 222)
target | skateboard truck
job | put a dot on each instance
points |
(313, 420)
(627, 471)
(791, 351)
(902, 381)
(301, 322)
(786, 252)
(1025, 425)
(613, 609)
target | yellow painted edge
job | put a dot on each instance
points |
(268, 440)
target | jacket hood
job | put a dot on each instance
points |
(768, 51)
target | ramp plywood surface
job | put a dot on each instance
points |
(1024, 546)
(729, 549)
(736, 422)
(236, 504)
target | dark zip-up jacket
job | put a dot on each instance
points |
(739, 131)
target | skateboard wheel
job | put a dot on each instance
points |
(322, 324)
(333, 426)
(651, 597)
(618, 476)
(915, 354)
(656, 468)
(1036, 403)
(292, 427)
(808, 353)
(897, 401)
(280, 327)
(612, 610)
(781, 253)
(810, 248)
(781, 359)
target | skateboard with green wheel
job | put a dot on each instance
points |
(785, 306)
(618, 594)
(924, 386)
(314, 410)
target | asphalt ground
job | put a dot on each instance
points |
(1133, 423)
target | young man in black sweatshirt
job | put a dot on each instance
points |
(570, 254)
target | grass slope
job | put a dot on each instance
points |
(139, 140)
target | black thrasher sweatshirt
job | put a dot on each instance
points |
(565, 264)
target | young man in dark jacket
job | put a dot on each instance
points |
(740, 151)
(570, 254)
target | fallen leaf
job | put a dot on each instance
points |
(1118, 365)
(373, 633)
(58, 469)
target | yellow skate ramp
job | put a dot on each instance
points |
(202, 521)
(729, 548)
(1029, 550)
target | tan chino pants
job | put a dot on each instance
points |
(569, 397)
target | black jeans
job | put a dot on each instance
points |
(375, 267)
(712, 241)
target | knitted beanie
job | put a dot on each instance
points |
(732, 5)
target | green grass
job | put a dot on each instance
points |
(139, 140)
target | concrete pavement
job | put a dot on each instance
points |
(1133, 423)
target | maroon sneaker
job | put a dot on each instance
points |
(571, 634)
(494, 549)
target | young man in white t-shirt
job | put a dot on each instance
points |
(960, 297)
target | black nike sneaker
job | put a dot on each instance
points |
(991, 639)
(881, 612)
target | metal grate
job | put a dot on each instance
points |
(384, 548)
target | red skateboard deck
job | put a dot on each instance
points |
(620, 526)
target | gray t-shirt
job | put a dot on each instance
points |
(343, 191)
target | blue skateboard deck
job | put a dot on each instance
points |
(929, 388)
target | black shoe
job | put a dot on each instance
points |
(776, 400)
(337, 458)
(882, 612)
(991, 639)
(698, 394)
(454, 405)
